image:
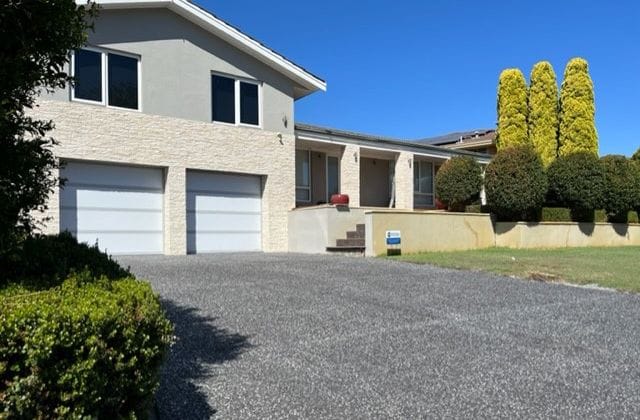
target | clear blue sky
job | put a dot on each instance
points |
(413, 69)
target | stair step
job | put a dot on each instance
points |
(354, 234)
(346, 249)
(350, 242)
(360, 228)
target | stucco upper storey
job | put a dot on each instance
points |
(180, 46)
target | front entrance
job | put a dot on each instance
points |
(317, 177)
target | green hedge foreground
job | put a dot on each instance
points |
(89, 348)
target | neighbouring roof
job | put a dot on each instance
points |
(474, 136)
(302, 128)
(234, 36)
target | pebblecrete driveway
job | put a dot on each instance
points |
(299, 336)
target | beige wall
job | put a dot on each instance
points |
(312, 229)
(428, 231)
(560, 235)
(350, 174)
(87, 132)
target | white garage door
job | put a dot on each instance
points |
(223, 212)
(120, 207)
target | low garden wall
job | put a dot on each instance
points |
(441, 231)
(565, 234)
(312, 229)
(428, 231)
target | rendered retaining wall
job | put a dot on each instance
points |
(312, 229)
(428, 231)
(560, 234)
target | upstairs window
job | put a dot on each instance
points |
(106, 78)
(235, 101)
(88, 73)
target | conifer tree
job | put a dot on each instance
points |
(512, 110)
(577, 130)
(543, 112)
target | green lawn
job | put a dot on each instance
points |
(617, 268)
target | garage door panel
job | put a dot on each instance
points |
(94, 174)
(218, 183)
(224, 242)
(223, 203)
(123, 243)
(120, 207)
(223, 222)
(110, 220)
(111, 199)
(224, 212)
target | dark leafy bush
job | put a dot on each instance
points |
(636, 156)
(43, 261)
(556, 214)
(86, 349)
(516, 184)
(476, 208)
(622, 192)
(577, 181)
(459, 182)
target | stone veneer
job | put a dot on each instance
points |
(96, 133)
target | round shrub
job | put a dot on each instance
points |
(515, 184)
(622, 191)
(87, 349)
(577, 181)
(459, 182)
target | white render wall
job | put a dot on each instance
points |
(97, 133)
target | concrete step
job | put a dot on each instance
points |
(360, 229)
(354, 234)
(359, 242)
(346, 250)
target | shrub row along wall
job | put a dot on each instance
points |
(436, 231)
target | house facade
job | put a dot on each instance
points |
(179, 136)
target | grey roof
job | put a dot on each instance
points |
(385, 140)
(453, 137)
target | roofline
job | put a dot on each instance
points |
(463, 144)
(311, 132)
(227, 32)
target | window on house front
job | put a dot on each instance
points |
(249, 103)
(106, 78)
(303, 176)
(224, 99)
(123, 81)
(87, 70)
(235, 101)
(422, 184)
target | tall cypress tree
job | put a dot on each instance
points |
(577, 110)
(512, 110)
(543, 112)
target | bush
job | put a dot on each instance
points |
(556, 214)
(84, 349)
(622, 190)
(459, 182)
(515, 184)
(41, 262)
(577, 181)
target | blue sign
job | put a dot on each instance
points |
(393, 237)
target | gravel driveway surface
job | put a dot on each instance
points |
(299, 336)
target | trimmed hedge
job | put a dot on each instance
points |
(459, 182)
(44, 261)
(577, 181)
(563, 214)
(89, 348)
(516, 184)
(622, 192)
